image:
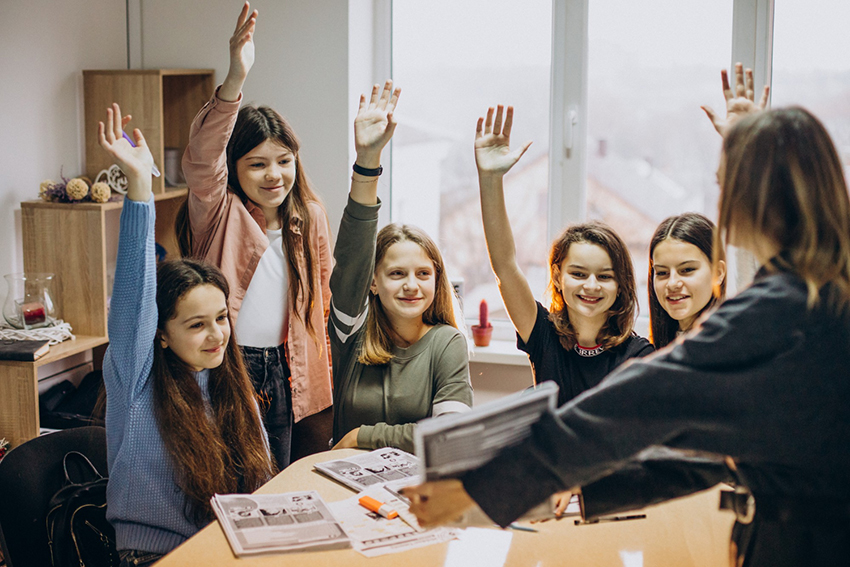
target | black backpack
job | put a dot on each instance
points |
(77, 530)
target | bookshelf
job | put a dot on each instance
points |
(79, 241)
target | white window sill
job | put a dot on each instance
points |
(499, 352)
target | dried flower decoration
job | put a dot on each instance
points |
(100, 192)
(44, 189)
(72, 190)
(76, 189)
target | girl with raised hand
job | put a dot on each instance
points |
(182, 422)
(762, 382)
(397, 353)
(587, 331)
(682, 282)
(251, 211)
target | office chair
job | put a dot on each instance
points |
(30, 475)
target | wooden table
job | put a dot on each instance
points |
(19, 388)
(682, 533)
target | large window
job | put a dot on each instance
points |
(634, 75)
(651, 151)
(453, 60)
(811, 63)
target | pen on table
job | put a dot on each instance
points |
(378, 507)
(521, 528)
(611, 519)
(154, 169)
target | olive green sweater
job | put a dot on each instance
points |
(429, 378)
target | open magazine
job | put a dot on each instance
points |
(386, 466)
(274, 523)
(373, 535)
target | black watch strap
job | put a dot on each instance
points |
(367, 172)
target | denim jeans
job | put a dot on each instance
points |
(270, 375)
(136, 558)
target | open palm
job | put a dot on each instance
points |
(133, 161)
(739, 102)
(242, 42)
(375, 123)
(493, 142)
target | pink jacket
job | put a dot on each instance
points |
(232, 235)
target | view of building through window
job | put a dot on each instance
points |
(811, 65)
(652, 152)
(453, 60)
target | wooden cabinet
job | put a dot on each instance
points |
(79, 241)
(163, 103)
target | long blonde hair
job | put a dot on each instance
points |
(784, 181)
(377, 343)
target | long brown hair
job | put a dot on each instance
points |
(377, 344)
(783, 181)
(254, 125)
(695, 229)
(621, 317)
(223, 452)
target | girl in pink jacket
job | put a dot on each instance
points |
(251, 211)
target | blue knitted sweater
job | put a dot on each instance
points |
(145, 505)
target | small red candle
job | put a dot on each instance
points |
(33, 313)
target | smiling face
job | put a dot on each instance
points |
(199, 331)
(682, 280)
(405, 282)
(587, 282)
(266, 175)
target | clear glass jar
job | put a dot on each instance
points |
(30, 300)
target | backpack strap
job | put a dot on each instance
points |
(79, 469)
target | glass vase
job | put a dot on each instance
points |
(30, 300)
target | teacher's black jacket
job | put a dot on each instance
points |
(764, 380)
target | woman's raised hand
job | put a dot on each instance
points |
(493, 153)
(375, 124)
(241, 54)
(135, 161)
(740, 102)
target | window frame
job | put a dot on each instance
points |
(752, 45)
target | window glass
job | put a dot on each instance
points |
(452, 60)
(652, 152)
(811, 64)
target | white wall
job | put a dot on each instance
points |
(45, 46)
(301, 70)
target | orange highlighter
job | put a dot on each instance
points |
(378, 507)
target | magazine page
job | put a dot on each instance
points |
(273, 523)
(372, 534)
(454, 443)
(385, 466)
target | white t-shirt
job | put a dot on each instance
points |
(264, 317)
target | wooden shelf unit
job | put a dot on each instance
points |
(79, 241)
(19, 389)
(163, 103)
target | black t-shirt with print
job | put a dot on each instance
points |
(573, 372)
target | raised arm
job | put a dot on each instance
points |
(494, 158)
(740, 102)
(132, 315)
(205, 158)
(241, 55)
(373, 129)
